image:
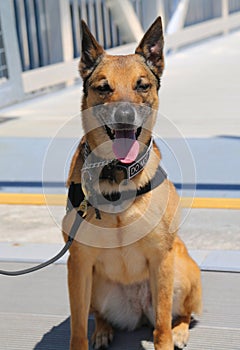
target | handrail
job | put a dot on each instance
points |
(179, 36)
(202, 31)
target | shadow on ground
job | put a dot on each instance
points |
(59, 336)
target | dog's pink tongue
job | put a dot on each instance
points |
(125, 146)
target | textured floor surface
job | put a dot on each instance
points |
(34, 314)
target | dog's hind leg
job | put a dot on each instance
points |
(103, 333)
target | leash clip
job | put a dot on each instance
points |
(86, 181)
(84, 207)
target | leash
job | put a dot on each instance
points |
(40, 266)
(72, 234)
(75, 197)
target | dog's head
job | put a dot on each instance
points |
(120, 98)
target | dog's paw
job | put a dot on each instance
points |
(147, 345)
(180, 335)
(102, 337)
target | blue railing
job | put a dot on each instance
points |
(99, 20)
(234, 6)
(32, 29)
(170, 7)
(3, 63)
(204, 10)
(35, 30)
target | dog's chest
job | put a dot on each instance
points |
(124, 265)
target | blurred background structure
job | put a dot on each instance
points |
(40, 39)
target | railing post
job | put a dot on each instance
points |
(125, 17)
(66, 30)
(11, 90)
(176, 23)
(161, 12)
(151, 12)
(225, 14)
(178, 19)
(59, 30)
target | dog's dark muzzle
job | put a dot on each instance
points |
(124, 117)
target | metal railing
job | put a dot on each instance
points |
(33, 27)
(99, 18)
(202, 10)
(234, 6)
(40, 39)
(3, 61)
(193, 25)
(205, 10)
(36, 25)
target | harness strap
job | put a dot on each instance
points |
(156, 181)
(75, 196)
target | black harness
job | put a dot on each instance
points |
(76, 197)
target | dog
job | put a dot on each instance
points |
(127, 264)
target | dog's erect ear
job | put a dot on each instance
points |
(151, 47)
(91, 52)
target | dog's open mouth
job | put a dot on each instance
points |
(125, 144)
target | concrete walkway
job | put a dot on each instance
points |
(34, 314)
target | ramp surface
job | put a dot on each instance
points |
(34, 313)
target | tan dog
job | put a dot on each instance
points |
(127, 264)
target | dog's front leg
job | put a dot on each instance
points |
(80, 288)
(161, 282)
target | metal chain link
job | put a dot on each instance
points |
(93, 165)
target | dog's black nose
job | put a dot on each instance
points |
(124, 114)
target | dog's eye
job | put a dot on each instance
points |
(141, 87)
(104, 89)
